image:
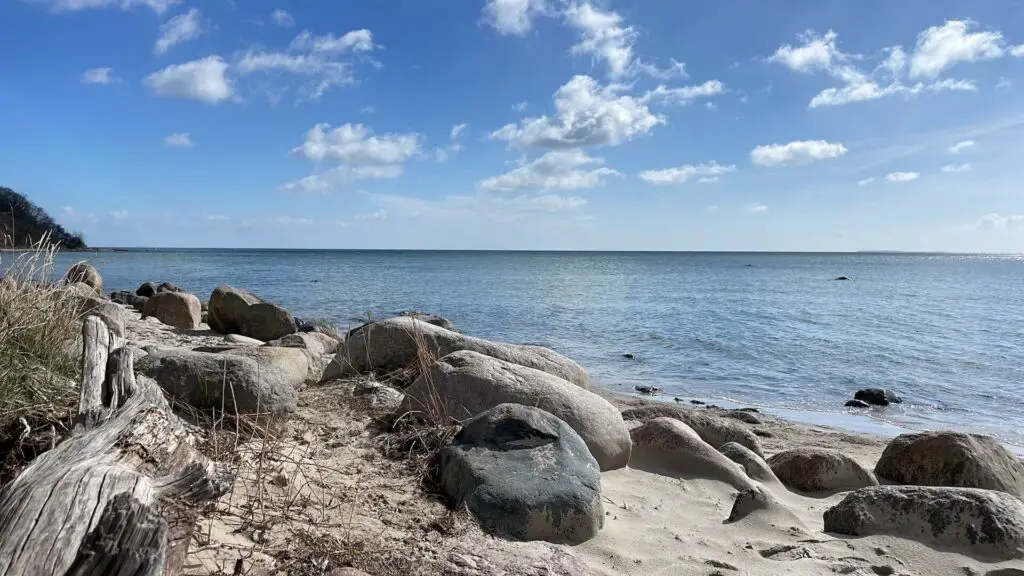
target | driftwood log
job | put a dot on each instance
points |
(121, 495)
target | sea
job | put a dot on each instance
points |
(769, 330)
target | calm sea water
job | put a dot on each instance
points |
(946, 332)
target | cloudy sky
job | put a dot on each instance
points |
(520, 124)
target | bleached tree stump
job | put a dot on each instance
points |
(118, 497)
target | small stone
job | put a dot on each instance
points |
(629, 356)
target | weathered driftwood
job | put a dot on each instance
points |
(119, 496)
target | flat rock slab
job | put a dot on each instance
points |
(525, 475)
(983, 523)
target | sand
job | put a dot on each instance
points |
(320, 493)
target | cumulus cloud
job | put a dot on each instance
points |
(361, 155)
(961, 146)
(158, 6)
(513, 17)
(586, 115)
(180, 140)
(555, 170)
(956, 168)
(941, 47)
(996, 221)
(204, 80)
(708, 173)
(354, 41)
(796, 153)
(935, 51)
(282, 18)
(181, 28)
(902, 176)
(99, 76)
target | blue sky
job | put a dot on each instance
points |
(520, 124)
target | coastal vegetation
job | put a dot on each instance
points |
(23, 224)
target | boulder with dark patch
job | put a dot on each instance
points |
(877, 396)
(243, 384)
(86, 274)
(525, 475)
(713, 429)
(395, 344)
(147, 289)
(669, 447)
(952, 459)
(178, 309)
(466, 383)
(819, 469)
(984, 523)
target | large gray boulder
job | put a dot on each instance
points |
(235, 311)
(466, 383)
(984, 523)
(819, 469)
(244, 384)
(525, 475)
(87, 274)
(952, 459)
(178, 309)
(394, 344)
(713, 429)
(669, 447)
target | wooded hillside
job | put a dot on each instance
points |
(22, 223)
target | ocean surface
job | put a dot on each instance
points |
(945, 332)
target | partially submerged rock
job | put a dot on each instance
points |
(984, 523)
(241, 384)
(669, 447)
(394, 344)
(713, 429)
(819, 469)
(177, 309)
(952, 459)
(877, 396)
(466, 383)
(525, 475)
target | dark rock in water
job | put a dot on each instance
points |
(168, 287)
(952, 459)
(525, 475)
(678, 399)
(842, 278)
(877, 396)
(647, 389)
(696, 402)
(629, 356)
(986, 523)
(147, 289)
(856, 404)
(749, 265)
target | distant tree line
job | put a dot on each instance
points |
(22, 224)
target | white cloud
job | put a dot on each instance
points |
(217, 218)
(377, 215)
(956, 168)
(442, 154)
(941, 47)
(869, 90)
(755, 208)
(586, 115)
(282, 18)
(1017, 51)
(119, 214)
(180, 140)
(998, 221)
(555, 170)
(354, 41)
(605, 38)
(325, 182)
(796, 153)
(291, 221)
(961, 146)
(158, 6)
(520, 106)
(99, 76)
(865, 181)
(486, 205)
(685, 94)
(356, 144)
(181, 28)
(708, 179)
(513, 17)
(1003, 83)
(204, 80)
(682, 174)
(457, 129)
(902, 176)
